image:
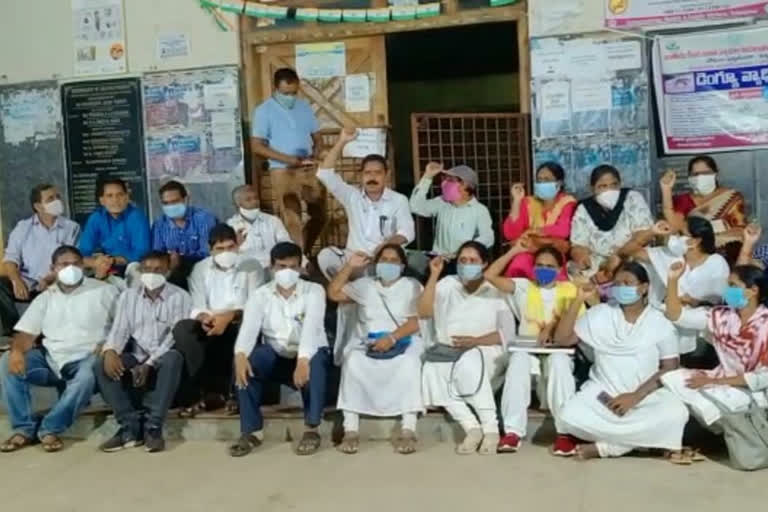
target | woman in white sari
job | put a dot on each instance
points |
(739, 334)
(381, 370)
(538, 305)
(705, 274)
(469, 314)
(621, 407)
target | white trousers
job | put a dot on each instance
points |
(559, 386)
(702, 402)
(352, 421)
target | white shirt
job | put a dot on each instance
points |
(215, 290)
(706, 282)
(72, 324)
(401, 297)
(459, 313)
(370, 222)
(261, 235)
(293, 326)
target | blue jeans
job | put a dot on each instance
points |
(76, 387)
(268, 365)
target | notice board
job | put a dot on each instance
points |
(104, 139)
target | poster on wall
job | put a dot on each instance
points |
(636, 13)
(712, 90)
(193, 128)
(30, 116)
(103, 139)
(321, 60)
(99, 37)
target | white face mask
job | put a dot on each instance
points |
(703, 184)
(608, 199)
(677, 245)
(249, 214)
(286, 278)
(152, 281)
(226, 259)
(70, 275)
(55, 207)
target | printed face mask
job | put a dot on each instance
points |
(286, 278)
(388, 272)
(546, 190)
(286, 100)
(468, 272)
(451, 191)
(608, 199)
(677, 245)
(734, 296)
(703, 184)
(55, 207)
(625, 295)
(70, 275)
(152, 281)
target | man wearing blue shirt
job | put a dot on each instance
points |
(117, 233)
(285, 131)
(182, 232)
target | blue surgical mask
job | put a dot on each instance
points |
(625, 295)
(734, 297)
(286, 100)
(469, 271)
(388, 272)
(546, 190)
(174, 211)
(545, 275)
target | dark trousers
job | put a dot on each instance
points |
(267, 366)
(180, 274)
(9, 315)
(129, 403)
(207, 361)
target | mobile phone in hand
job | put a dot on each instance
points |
(604, 398)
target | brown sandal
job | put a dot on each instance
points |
(309, 444)
(51, 443)
(191, 412)
(406, 443)
(15, 443)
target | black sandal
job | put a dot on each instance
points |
(309, 444)
(190, 412)
(244, 445)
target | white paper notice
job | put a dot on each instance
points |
(172, 45)
(321, 60)
(99, 36)
(623, 55)
(590, 96)
(553, 14)
(30, 114)
(357, 93)
(548, 58)
(586, 58)
(555, 101)
(219, 97)
(369, 141)
(223, 129)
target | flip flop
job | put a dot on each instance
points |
(406, 443)
(350, 444)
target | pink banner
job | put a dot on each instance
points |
(633, 13)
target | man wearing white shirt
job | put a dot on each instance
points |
(289, 314)
(257, 232)
(377, 215)
(73, 316)
(220, 287)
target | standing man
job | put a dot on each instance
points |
(182, 232)
(27, 259)
(138, 360)
(257, 232)
(285, 130)
(288, 313)
(73, 317)
(377, 215)
(460, 216)
(117, 233)
(220, 287)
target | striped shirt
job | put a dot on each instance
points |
(761, 254)
(149, 323)
(191, 240)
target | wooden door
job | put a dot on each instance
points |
(364, 55)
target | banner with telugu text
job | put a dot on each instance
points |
(712, 90)
(635, 13)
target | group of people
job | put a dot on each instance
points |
(192, 309)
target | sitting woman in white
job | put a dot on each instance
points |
(538, 305)
(468, 313)
(705, 274)
(621, 407)
(381, 370)
(739, 334)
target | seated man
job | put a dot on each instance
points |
(27, 258)
(460, 216)
(182, 231)
(377, 215)
(138, 362)
(220, 287)
(288, 313)
(73, 318)
(257, 232)
(117, 233)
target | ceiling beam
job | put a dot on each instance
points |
(331, 31)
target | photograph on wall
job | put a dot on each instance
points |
(99, 37)
(193, 128)
(712, 90)
(639, 13)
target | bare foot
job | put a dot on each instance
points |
(587, 451)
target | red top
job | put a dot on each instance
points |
(561, 228)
